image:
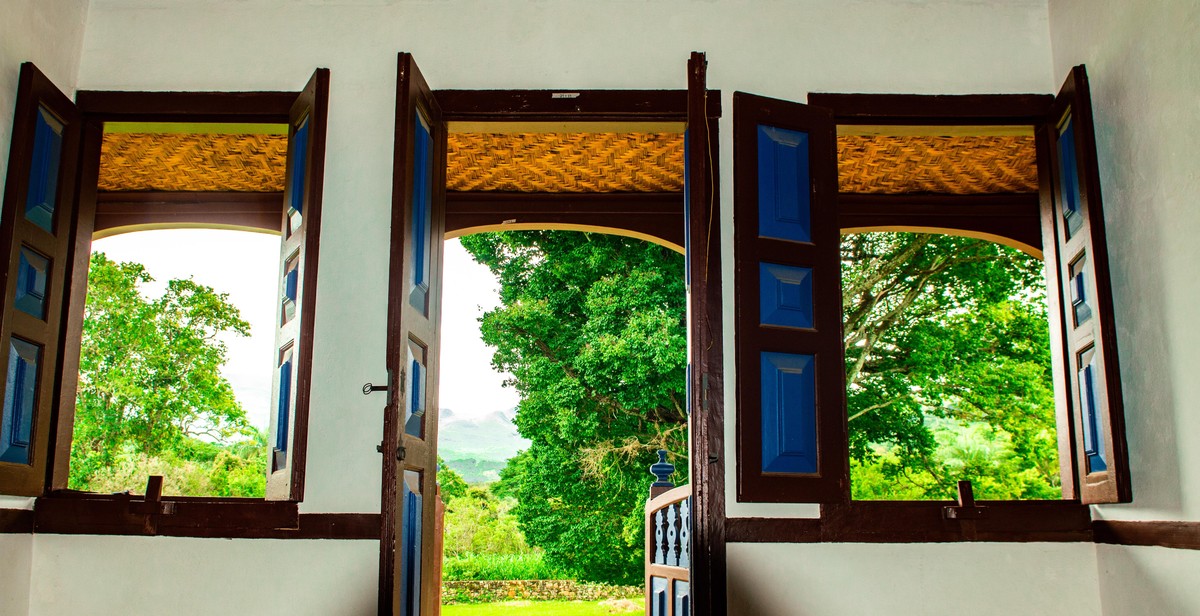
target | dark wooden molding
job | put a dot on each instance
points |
(16, 521)
(659, 215)
(706, 385)
(260, 107)
(116, 210)
(1180, 535)
(570, 105)
(1016, 216)
(72, 513)
(925, 109)
(921, 522)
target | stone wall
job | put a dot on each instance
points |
(486, 591)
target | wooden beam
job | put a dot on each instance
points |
(146, 210)
(569, 105)
(934, 109)
(1015, 217)
(657, 215)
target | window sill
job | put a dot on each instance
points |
(77, 513)
(921, 522)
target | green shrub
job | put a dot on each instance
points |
(527, 566)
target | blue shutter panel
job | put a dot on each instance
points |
(791, 381)
(38, 220)
(1092, 376)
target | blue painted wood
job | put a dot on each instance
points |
(410, 549)
(43, 171)
(32, 269)
(414, 409)
(299, 176)
(284, 405)
(658, 596)
(789, 413)
(672, 537)
(291, 290)
(1093, 429)
(659, 557)
(1068, 181)
(1080, 307)
(784, 185)
(683, 598)
(785, 295)
(20, 394)
(685, 533)
(422, 210)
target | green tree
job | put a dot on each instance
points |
(592, 329)
(947, 368)
(450, 483)
(149, 377)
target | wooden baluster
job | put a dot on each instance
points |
(685, 533)
(672, 557)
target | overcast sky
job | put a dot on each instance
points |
(245, 266)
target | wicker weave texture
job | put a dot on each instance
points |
(948, 165)
(577, 162)
(192, 162)
(565, 163)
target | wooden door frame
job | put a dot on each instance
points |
(473, 209)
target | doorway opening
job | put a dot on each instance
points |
(590, 330)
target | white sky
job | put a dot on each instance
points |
(245, 265)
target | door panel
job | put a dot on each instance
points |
(299, 226)
(791, 393)
(36, 238)
(414, 297)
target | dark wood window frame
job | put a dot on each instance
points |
(65, 511)
(1016, 217)
(654, 214)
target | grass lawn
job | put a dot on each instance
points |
(544, 608)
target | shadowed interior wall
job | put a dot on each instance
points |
(774, 48)
(1144, 68)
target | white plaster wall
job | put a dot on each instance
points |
(101, 576)
(16, 568)
(1137, 580)
(48, 33)
(1143, 62)
(931, 579)
(775, 48)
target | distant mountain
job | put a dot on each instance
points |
(478, 447)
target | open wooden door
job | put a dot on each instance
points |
(300, 230)
(414, 302)
(791, 412)
(36, 239)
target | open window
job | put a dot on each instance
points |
(36, 239)
(800, 408)
(87, 208)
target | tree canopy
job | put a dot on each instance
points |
(947, 370)
(151, 398)
(592, 329)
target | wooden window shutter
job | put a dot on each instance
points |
(791, 418)
(1071, 202)
(36, 237)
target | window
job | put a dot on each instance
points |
(295, 214)
(792, 424)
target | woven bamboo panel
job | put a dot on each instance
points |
(950, 165)
(559, 162)
(193, 162)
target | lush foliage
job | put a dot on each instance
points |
(545, 608)
(948, 368)
(592, 329)
(522, 566)
(947, 364)
(151, 398)
(480, 523)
